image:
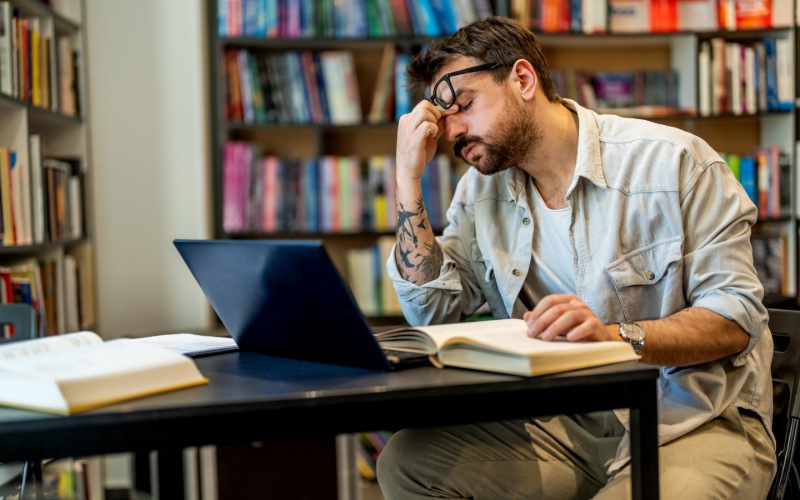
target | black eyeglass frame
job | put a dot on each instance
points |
(434, 99)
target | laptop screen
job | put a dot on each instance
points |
(283, 298)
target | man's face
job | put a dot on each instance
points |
(493, 130)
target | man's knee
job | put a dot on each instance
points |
(398, 454)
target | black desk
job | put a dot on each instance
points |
(252, 397)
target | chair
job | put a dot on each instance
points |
(24, 319)
(785, 327)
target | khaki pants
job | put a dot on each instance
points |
(565, 457)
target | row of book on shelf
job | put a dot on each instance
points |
(647, 16)
(351, 19)
(765, 175)
(268, 193)
(36, 64)
(57, 285)
(310, 87)
(41, 200)
(623, 92)
(382, 18)
(329, 194)
(739, 77)
(321, 87)
(306, 86)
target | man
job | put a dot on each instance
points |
(590, 227)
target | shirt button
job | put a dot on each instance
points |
(526, 221)
(515, 272)
(650, 275)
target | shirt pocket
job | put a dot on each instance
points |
(649, 280)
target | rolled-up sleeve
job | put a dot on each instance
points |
(719, 270)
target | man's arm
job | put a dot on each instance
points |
(694, 335)
(688, 337)
(417, 255)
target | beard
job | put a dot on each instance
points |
(516, 136)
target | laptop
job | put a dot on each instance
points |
(285, 298)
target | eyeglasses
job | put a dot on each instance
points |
(445, 95)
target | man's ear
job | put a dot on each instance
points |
(524, 79)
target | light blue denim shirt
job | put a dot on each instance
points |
(659, 224)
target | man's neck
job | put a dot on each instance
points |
(553, 165)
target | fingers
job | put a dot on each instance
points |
(417, 135)
(425, 112)
(567, 316)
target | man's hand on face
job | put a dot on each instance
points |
(418, 133)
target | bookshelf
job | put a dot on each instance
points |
(45, 178)
(597, 54)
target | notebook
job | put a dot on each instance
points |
(285, 298)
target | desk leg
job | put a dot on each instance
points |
(644, 443)
(170, 474)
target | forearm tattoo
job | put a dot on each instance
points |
(424, 259)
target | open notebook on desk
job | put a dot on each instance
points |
(286, 299)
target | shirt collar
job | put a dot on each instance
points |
(589, 160)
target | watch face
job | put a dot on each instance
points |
(633, 332)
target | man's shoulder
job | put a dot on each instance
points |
(614, 129)
(502, 186)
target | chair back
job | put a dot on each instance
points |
(22, 317)
(785, 327)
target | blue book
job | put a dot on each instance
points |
(747, 177)
(448, 20)
(249, 17)
(222, 17)
(426, 15)
(402, 98)
(308, 18)
(771, 74)
(323, 94)
(576, 16)
(271, 18)
(311, 194)
(360, 28)
(260, 28)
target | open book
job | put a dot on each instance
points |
(503, 346)
(74, 372)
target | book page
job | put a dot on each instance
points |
(190, 343)
(428, 339)
(96, 360)
(33, 347)
(518, 342)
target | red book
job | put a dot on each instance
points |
(235, 112)
(663, 16)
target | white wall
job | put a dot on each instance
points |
(149, 160)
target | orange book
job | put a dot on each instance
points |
(753, 14)
(663, 16)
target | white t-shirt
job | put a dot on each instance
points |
(552, 268)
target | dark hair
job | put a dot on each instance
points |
(492, 40)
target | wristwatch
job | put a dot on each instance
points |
(633, 333)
